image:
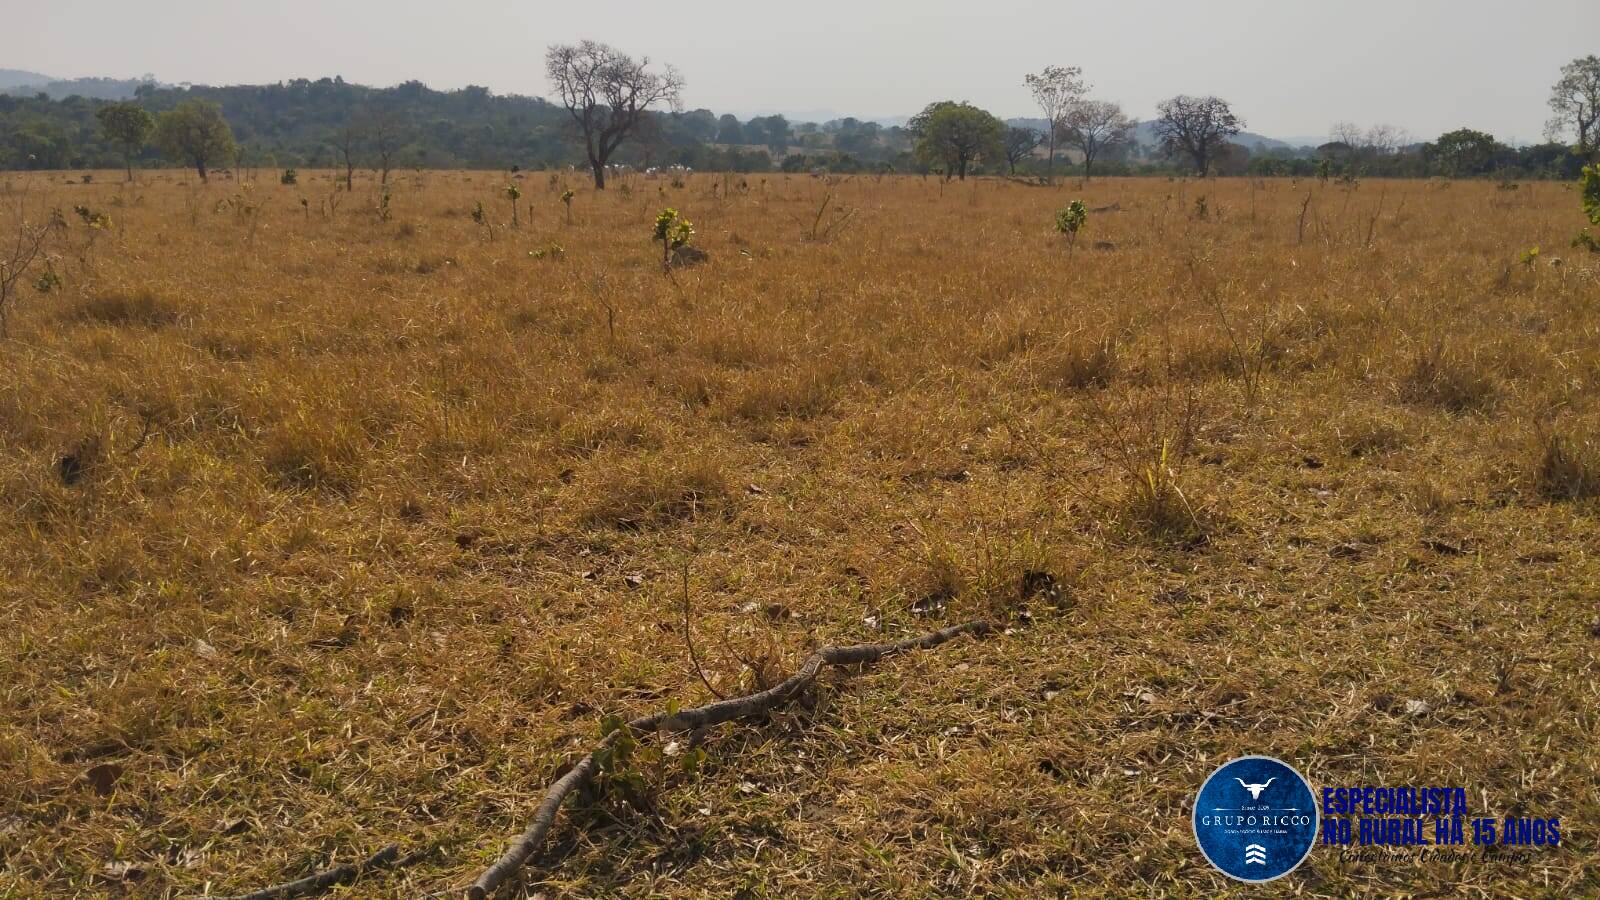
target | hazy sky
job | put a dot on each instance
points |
(1289, 67)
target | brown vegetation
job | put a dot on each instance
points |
(321, 531)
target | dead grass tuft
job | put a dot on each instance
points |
(141, 307)
(797, 393)
(1450, 379)
(312, 450)
(655, 492)
(1364, 433)
(1566, 466)
(1080, 363)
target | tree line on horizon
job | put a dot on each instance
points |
(611, 109)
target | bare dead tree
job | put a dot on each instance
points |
(387, 130)
(1347, 133)
(1056, 90)
(1197, 127)
(26, 246)
(1020, 144)
(1379, 140)
(347, 140)
(1094, 126)
(1382, 139)
(607, 93)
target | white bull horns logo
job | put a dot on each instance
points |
(1255, 789)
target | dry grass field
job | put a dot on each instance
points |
(320, 532)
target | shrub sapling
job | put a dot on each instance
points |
(1070, 220)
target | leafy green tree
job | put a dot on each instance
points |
(41, 144)
(194, 133)
(698, 124)
(1196, 127)
(954, 135)
(729, 131)
(128, 125)
(1463, 152)
(774, 131)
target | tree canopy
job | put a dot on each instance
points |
(1575, 100)
(1196, 127)
(194, 133)
(954, 135)
(1463, 152)
(128, 125)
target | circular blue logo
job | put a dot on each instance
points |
(1255, 818)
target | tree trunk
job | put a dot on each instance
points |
(961, 169)
(200, 166)
(599, 175)
(1050, 171)
(129, 160)
(349, 176)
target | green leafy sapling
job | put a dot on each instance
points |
(674, 232)
(1070, 220)
(1589, 191)
(481, 217)
(514, 193)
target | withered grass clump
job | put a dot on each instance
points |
(1363, 433)
(1567, 466)
(1449, 378)
(1080, 363)
(656, 492)
(320, 532)
(141, 307)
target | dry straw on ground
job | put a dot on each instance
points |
(322, 532)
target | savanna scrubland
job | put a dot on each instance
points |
(327, 526)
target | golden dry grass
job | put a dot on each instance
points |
(411, 510)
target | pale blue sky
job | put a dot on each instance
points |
(1290, 67)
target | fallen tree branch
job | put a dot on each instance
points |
(387, 858)
(700, 717)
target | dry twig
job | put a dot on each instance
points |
(387, 858)
(694, 719)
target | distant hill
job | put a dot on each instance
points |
(302, 123)
(1145, 135)
(15, 78)
(90, 88)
